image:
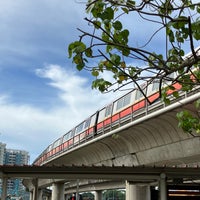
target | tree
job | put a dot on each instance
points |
(114, 195)
(113, 48)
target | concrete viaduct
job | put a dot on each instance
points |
(151, 139)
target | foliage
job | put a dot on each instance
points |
(114, 195)
(188, 122)
(87, 195)
(114, 49)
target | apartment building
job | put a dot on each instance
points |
(13, 157)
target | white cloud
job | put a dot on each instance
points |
(75, 91)
(29, 128)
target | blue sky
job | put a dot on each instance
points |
(42, 96)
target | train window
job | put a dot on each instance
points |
(108, 110)
(72, 134)
(79, 128)
(139, 95)
(87, 123)
(50, 147)
(93, 119)
(155, 85)
(101, 114)
(66, 136)
(56, 143)
(127, 99)
(124, 101)
(119, 103)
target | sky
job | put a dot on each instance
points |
(42, 95)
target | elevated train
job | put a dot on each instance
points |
(117, 113)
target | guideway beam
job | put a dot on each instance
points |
(144, 174)
(97, 172)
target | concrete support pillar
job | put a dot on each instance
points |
(98, 195)
(163, 187)
(31, 195)
(58, 191)
(4, 188)
(40, 192)
(77, 189)
(137, 192)
(35, 190)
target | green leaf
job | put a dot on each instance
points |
(188, 122)
(76, 47)
(171, 36)
(198, 8)
(175, 94)
(197, 104)
(167, 101)
(125, 34)
(171, 87)
(88, 52)
(130, 3)
(126, 51)
(115, 59)
(196, 29)
(77, 59)
(132, 71)
(101, 84)
(97, 9)
(97, 24)
(95, 72)
(117, 25)
(107, 14)
(125, 10)
(109, 48)
(105, 37)
(70, 49)
(80, 66)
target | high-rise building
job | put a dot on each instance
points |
(16, 157)
(2, 152)
(13, 157)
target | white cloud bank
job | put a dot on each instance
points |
(32, 129)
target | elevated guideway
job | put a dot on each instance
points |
(149, 137)
(145, 175)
